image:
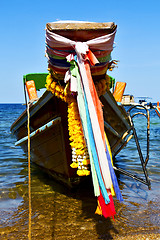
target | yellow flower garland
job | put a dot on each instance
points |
(80, 157)
(102, 85)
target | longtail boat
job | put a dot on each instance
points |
(77, 126)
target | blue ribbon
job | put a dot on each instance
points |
(113, 177)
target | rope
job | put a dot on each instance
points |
(29, 175)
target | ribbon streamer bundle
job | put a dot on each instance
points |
(77, 63)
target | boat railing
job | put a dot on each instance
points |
(129, 134)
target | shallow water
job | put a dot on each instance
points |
(57, 212)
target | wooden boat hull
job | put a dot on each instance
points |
(116, 122)
(50, 147)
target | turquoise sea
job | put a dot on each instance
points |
(61, 214)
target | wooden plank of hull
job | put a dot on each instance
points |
(115, 116)
(40, 113)
(81, 31)
(48, 152)
(50, 149)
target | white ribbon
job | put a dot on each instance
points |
(81, 49)
(101, 43)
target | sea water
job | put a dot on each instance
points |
(59, 213)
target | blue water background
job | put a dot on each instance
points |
(140, 209)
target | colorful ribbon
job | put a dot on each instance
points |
(90, 109)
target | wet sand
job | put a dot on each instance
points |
(61, 214)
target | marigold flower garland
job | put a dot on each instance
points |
(80, 156)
